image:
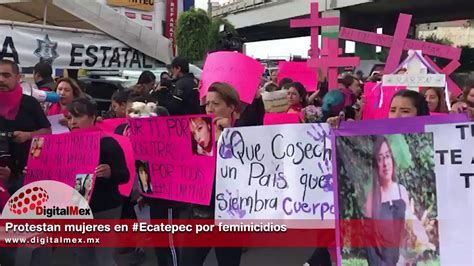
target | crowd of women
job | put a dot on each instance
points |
(174, 93)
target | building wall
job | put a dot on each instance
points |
(459, 33)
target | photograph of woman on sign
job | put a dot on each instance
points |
(87, 185)
(36, 147)
(201, 135)
(143, 175)
(391, 186)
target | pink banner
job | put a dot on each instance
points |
(70, 158)
(238, 70)
(372, 98)
(109, 125)
(299, 71)
(281, 118)
(175, 157)
(124, 142)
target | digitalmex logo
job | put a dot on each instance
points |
(47, 200)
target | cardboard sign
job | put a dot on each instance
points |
(286, 176)
(299, 72)
(175, 157)
(68, 158)
(238, 70)
(109, 125)
(281, 118)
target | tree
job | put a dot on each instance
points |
(215, 34)
(192, 33)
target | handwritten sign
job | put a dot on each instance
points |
(299, 71)
(126, 145)
(68, 158)
(109, 125)
(287, 175)
(175, 157)
(416, 81)
(384, 40)
(454, 167)
(236, 69)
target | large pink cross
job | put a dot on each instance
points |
(314, 22)
(330, 61)
(447, 70)
(398, 42)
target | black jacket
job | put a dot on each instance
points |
(106, 195)
(182, 98)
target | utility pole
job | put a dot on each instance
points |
(209, 8)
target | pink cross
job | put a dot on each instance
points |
(398, 42)
(314, 22)
(447, 70)
(330, 61)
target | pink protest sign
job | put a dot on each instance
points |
(238, 70)
(126, 145)
(281, 118)
(314, 22)
(299, 71)
(399, 41)
(70, 158)
(373, 96)
(330, 61)
(109, 125)
(175, 157)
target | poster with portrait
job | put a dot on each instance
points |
(387, 192)
(174, 157)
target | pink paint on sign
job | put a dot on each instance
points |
(109, 125)
(384, 40)
(147, 17)
(238, 70)
(314, 22)
(330, 62)
(131, 15)
(281, 118)
(298, 71)
(447, 70)
(372, 97)
(67, 158)
(174, 160)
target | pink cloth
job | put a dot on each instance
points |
(10, 102)
(55, 109)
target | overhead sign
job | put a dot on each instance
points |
(145, 5)
(66, 49)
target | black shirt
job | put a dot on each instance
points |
(30, 118)
(182, 98)
(106, 195)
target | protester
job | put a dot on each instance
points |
(468, 95)
(165, 76)
(223, 102)
(42, 75)
(408, 103)
(146, 83)
(21, 117)
(436, 100)
(68, 90)
(119, 103)
(273, 75)
(253, 114)
(297, 98)
(351, 90)
(284, 82)
(106, 201)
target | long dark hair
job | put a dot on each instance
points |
(417, 99)
(441, 107)
(194, 144)
(143, 164)
(301, 91)
(376, 197)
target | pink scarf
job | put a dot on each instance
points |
(55, 109)
(10, 102)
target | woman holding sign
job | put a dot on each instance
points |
(297, 98)
(223, 102)
(106, 201)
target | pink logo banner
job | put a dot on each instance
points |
(174, 157)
